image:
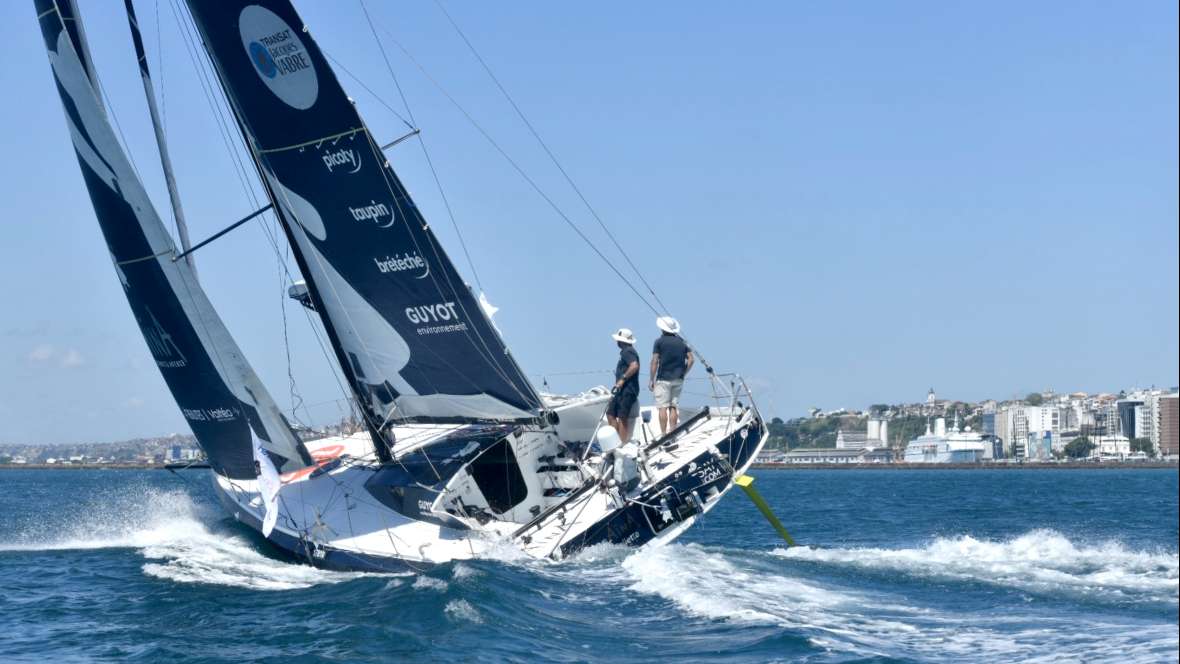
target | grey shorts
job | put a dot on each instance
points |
(667, 393)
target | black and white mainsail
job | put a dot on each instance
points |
(412, 339)
(226, 405)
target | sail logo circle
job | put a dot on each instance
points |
(279, 56)
(262, 60)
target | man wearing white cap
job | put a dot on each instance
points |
(624, 402)
(671, 359)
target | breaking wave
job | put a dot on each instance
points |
(179, 537)
(730, 586)
(462, 610)
(1040, 561)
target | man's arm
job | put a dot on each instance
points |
(687, 362)
(655, 367)
(632, 369)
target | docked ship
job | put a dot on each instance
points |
(940, 446)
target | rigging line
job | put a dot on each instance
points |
(395, 187)
(368, 89)
(115, 116)
(190, 39)
(193, 53)
(422, 142)
(487, 352)
(520, 171)
(552, 157)
(292, 391)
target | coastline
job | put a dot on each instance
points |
(1155, 465)
(1173, 465)
(83, 466)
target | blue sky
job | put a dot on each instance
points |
(847, 203)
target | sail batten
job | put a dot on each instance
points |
(408, 332)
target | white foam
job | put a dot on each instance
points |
(462, 571)
(173, 533)
(1040, 561)
(133, 518)
(461, 609)
(429, 583)
(708, 584)
(228, 561)
(738, 587)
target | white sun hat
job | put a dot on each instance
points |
(668, 324)
(624, 335)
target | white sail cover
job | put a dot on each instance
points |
(227, 407)
(410, 336)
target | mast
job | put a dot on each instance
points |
(165, 160)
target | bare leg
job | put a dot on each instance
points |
(614, 424)
(673, 417)
(663, 421)
(625, 427)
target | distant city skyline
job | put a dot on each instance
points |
(979, 198)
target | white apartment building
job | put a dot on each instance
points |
(1112, 446)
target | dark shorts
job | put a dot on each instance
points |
(624, 405)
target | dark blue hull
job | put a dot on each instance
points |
(680, 496)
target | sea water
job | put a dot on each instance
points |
(931, 565)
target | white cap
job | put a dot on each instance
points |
(624, 335)
(668, 324)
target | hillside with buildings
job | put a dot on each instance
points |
(139, 451)
(1042, 426)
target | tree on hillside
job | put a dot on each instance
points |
(1079, 448)
(1142, 445)
(1034, 399)
(778, 434)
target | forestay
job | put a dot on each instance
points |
(216, 389)
(408, 332)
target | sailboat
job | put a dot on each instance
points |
(460, 454)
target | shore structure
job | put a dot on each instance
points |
(940, 446)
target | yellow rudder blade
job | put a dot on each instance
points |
(747, 484)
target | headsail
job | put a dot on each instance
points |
(223, 400)
(410, 335)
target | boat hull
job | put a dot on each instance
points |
(674, 497)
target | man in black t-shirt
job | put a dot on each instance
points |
(624, 402)
(671, 358)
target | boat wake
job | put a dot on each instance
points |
(1040, 561)
(183, 541)
(732, 586)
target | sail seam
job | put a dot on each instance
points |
(145, 258)
(315, 141)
